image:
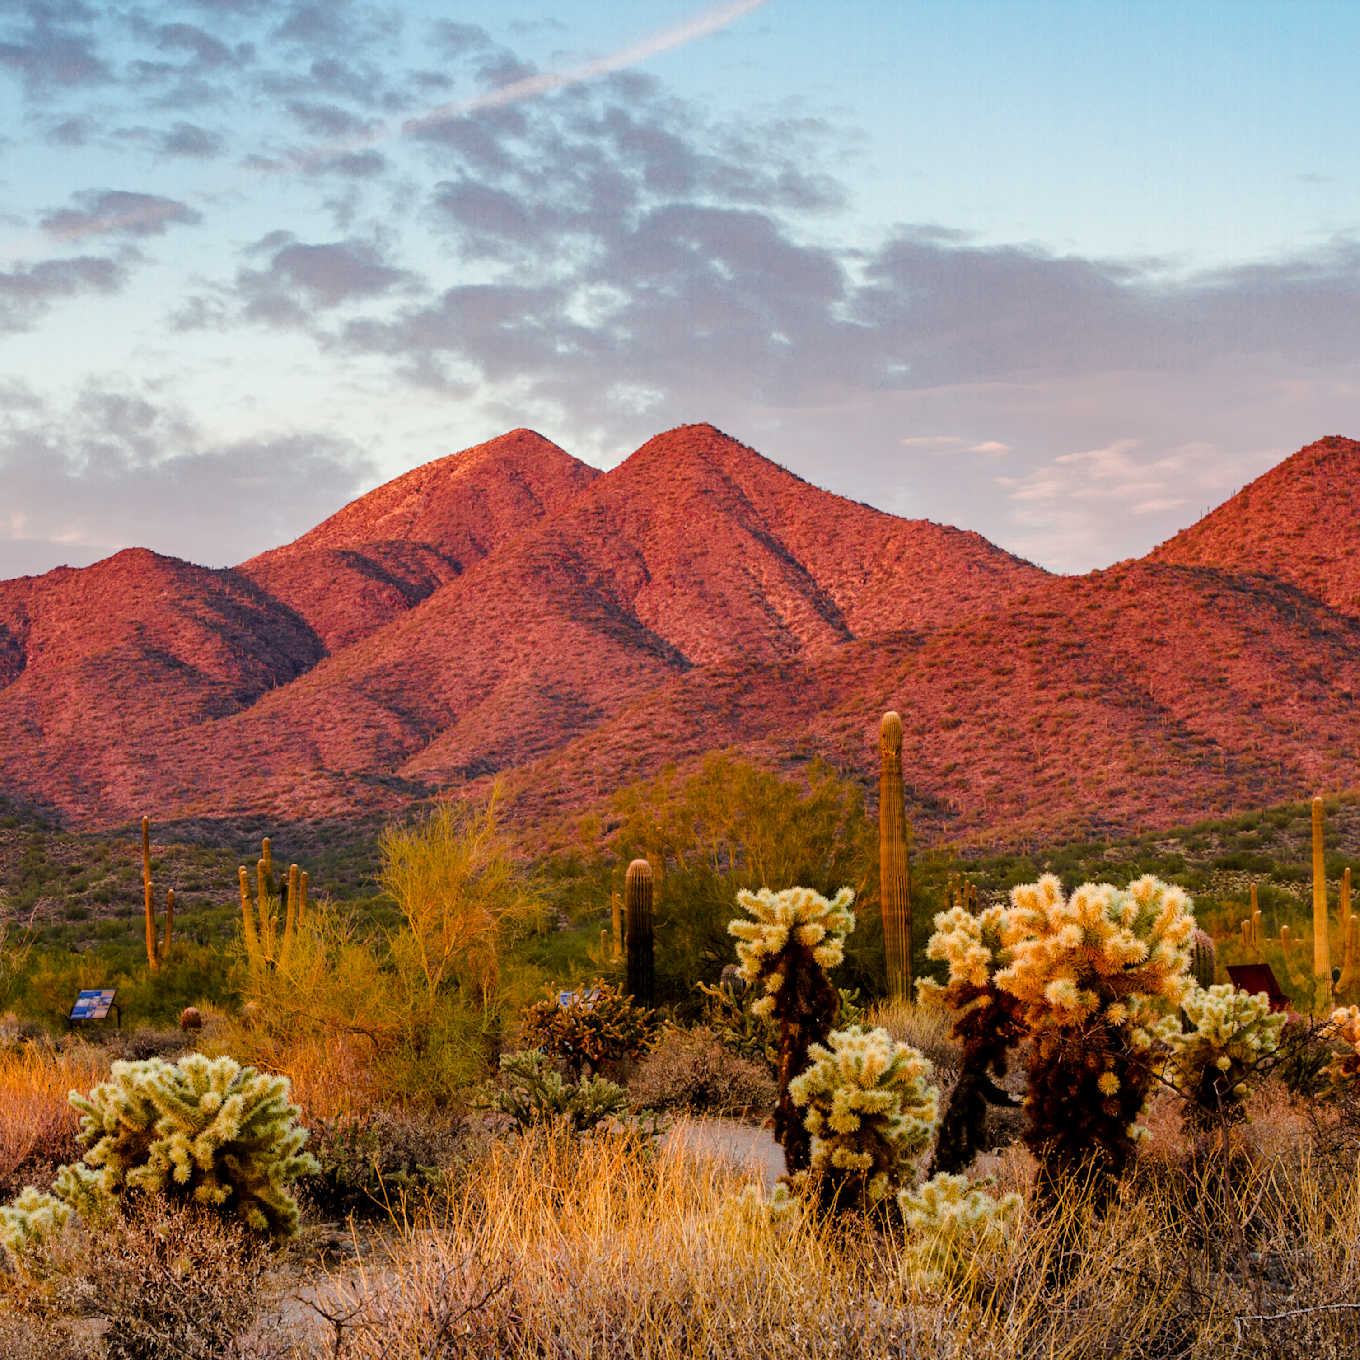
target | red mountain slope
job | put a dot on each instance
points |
(1136, 697)
(696, 596)
(695, 550)
(108, 666)
(391, 548)
(1296, 521)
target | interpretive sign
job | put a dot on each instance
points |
(93, 1005)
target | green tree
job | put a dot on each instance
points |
(729, 826)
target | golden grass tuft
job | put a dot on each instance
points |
(37, 1123)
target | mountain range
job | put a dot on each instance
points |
(510, 611)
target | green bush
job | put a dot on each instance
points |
(534, 1092)
(600, 1025)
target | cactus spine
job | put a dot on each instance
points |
(1203, 959)
(1322, 961)
(893, 873)
(157, 950)
(638, 931)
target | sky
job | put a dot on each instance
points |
(1068, 274)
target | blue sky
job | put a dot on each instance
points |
(1067, 274)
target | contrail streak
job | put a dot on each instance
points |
(710, 21)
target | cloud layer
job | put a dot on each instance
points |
(584, 250)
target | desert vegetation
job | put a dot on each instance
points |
(665, 1095)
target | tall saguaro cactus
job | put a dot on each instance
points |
(156, 949)
(265, 946)
(893, 873)
(638, 932)
(1322, 960)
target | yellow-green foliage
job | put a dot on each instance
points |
(952, 1223)
(461, 890)
(870, 1109)
(795, 915)
(202, 1130)
(1209, 1063)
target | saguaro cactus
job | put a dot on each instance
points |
(157, 949)
(265, 946)
(1322, 961)
(893, 873)
(1203, 959)
(638, 932)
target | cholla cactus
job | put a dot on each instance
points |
(1344, 1027)
(797, 934)
(869, 1108)
(1103, 952)
(202, 1130)
(987, 1024)
(1090, 971)
(534, 1092)
(31, 1219)
(1210, 1063)
(952, 1223)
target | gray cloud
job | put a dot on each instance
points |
(300, 278)
(27, 291)
(49, 55)
(115, 470)
(116, 212)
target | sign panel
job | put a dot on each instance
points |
(93, 1005)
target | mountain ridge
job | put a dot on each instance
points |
(571, 629)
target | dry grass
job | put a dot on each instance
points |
(37, 1124)
(597, 1249)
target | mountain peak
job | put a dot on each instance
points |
(1293, 522)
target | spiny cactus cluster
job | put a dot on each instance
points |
(795, 936)
(1081, 976)
(952, 1223)
(533, 1091)
(599, 1025)
(870, 1109)
(1344, 1031)
(986, 1023)
(203, 1130)
(1229, 1034)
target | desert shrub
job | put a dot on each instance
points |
(869, 1109)
(173, 1283)
(203, 1131)
(691, 1069)
(1304, 1056)
(600, 1025)
(38, 1127)
(1223, 1041)
(462, 892)
(727, 1013)
(532, 1091)
(368, 1163)
(728, 826)
(785, 951)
